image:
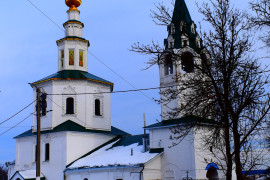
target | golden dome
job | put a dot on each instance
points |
(73, 4)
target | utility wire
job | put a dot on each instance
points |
(16, 124)
(17, 113)
(45, 15)
(132, 90)
(121, 77)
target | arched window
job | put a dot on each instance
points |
(97, 107)
(70, 106)
(187, 63)
(18, 179)
(85, 179)
(168, 65)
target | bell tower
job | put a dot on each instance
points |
(73, 48)
(182, 51)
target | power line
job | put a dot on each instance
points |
(17, 113)
(16, 124)
(121, 77)
(45, 15)
(114, 92)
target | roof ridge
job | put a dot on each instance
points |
(97, 148)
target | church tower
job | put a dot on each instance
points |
(182, 50)
(74, 94)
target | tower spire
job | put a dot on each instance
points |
(182, 30)
(181, 13)
(73, 49)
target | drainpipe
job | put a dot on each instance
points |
(141, 173)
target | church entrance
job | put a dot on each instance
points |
(212, 173)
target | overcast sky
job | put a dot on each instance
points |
(29, 53)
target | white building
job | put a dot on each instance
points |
(77, 139)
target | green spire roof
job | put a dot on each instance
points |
(182, 24)
(181, 13)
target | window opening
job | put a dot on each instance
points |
(70, 106)
(62, 57)
(81, 58)
(71, 57)
(97, 107)
(168, 66)
(47, 152)
(187, 63)
(35, 153)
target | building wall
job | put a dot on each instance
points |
(65, 147)
(84, 108)
(114, 173)
(175, 160)
(204, 155)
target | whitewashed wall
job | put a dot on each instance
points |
(83, 104)
(65, 147)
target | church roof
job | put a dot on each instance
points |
(72, 126)
(74, 75)
(181, 13)
(28, 175)
(182, 120)
(118, 152)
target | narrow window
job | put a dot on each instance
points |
(187, 63)
(47, 152)
(70, 106)
(35, 153)
(168, 65)
(171, 44)
(97, 107)
(71, 57)
(81, 59)
(62, 57)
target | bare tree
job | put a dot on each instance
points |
(262, 18)
(228, 85)
(3, 172)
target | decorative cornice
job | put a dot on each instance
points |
(73, 22)
(73, 39)
(88, 79)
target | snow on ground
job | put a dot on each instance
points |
(119, 155)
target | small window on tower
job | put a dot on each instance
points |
(81, 58)
(47, 152)
(70, 106)
(168, 65)
(62, 57)
(187, 63)
(97, 107)
(71, 57)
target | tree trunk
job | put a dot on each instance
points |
(237, 147)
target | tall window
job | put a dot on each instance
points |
(47, 152)
(35, 153)
(97, 107)
(71, 57)
(168, 65)
(81, 58)
(187, 63)
(62, 57)
(70, 106)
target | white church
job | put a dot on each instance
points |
(77, 139)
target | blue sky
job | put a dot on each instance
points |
(29, 53)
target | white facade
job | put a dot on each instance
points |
(65, 147)
(84, 104)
